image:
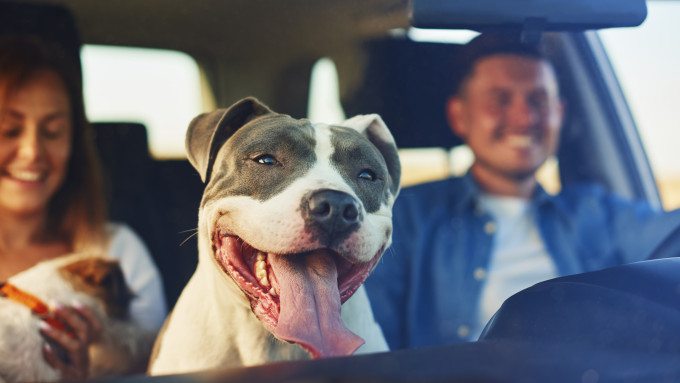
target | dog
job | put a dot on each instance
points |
(97, 283)
(293, 219)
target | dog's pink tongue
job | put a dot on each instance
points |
(310, 305)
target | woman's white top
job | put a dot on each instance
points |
(148, 307)
(519, 258)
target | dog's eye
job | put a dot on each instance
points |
(368, 175)
(266, 159)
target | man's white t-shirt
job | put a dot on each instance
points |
(519, 258)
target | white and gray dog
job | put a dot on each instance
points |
(293, 219)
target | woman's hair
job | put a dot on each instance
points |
(77, 210)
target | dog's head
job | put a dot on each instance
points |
(297, 214)
(101, 278)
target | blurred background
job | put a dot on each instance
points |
(170, 84)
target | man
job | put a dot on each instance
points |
(463, 245)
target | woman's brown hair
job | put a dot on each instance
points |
(77, 210)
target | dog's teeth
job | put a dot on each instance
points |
(273, 293)
(261, 269)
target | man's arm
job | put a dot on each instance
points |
(637, 229)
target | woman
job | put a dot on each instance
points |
(51, 199)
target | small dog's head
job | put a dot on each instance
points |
(296, 213)
(101, 278)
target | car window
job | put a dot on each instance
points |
(158, 88)
(324, 103)
(647, 64)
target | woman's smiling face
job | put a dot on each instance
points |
(35, 143)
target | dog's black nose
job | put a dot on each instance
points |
(333, 211)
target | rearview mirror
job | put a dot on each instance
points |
(498, 15)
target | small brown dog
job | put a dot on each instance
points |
(97, 283)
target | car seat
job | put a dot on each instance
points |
(158, 199)
(53, 24)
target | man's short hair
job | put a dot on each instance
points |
(489, 44)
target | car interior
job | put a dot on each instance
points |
(267, 49)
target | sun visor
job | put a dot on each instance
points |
(546, 15)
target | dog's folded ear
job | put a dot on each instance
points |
(373, 127)
(102, 278)
(207, 132)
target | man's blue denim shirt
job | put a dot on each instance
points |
(426, 288)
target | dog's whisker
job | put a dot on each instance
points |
(189, 237)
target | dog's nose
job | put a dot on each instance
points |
(334, 211)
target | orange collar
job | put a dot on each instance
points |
(38, 307)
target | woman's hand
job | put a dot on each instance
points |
(85, 328)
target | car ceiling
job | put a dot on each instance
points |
(242, 33)
(231, 28)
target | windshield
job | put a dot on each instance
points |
(647, 64)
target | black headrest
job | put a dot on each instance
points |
(122, 136)
(123, 149)
(408, 83)
(53, 24)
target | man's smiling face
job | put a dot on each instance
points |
(509, 113)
